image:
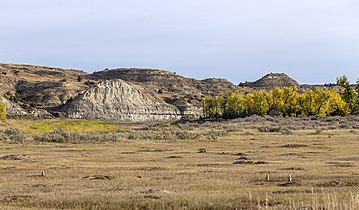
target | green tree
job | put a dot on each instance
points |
(221, 104)
(2, 111)
(349, 95)
(210, 107)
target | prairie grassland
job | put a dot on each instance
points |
(226, 172)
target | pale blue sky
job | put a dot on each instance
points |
(312, 40)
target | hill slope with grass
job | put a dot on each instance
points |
(47, 92)
(31, 91)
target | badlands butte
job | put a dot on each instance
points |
(126, 94)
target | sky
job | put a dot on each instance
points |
(313, 41)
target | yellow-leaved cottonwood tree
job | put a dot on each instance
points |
(286, 101)
(2, 111)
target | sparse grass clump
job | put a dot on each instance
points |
(12, 135)
(173, 134)
(267, 129)
(60, 136)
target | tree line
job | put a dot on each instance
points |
(287, 101)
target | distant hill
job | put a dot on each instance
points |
(271, 81)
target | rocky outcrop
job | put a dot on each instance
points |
(117, 100)
(186, 109)
(29, 91)
(46, 93)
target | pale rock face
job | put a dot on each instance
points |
(117, 100)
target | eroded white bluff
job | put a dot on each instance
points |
(116, 100)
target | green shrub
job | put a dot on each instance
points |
(61, 136)
(12, 135)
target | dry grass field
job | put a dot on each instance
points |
(242, 164)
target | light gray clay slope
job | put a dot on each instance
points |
(117, 100)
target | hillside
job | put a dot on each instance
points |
(46, 92)
(168, 82)
(28, 90)
(185, 93)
